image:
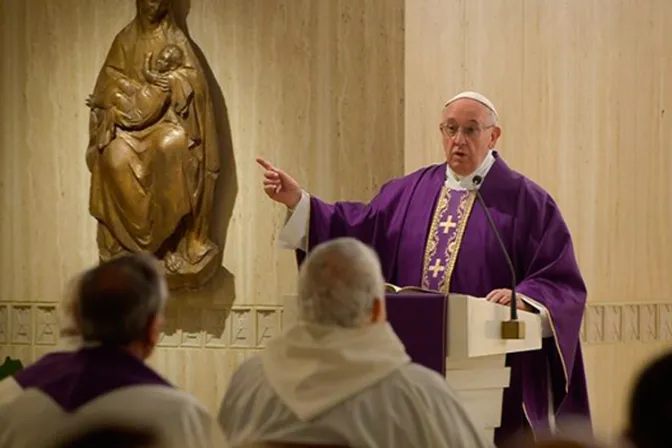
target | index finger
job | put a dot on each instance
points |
(264, 163)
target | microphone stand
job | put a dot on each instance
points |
(513, 328)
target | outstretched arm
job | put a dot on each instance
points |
(312, 221)
(282, 188)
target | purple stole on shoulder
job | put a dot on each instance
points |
(445, 236)
(72, 379)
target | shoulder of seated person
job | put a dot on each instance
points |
(157, 393)
(423, 378)
(251, 366)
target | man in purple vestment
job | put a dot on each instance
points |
(429, 231)
(118, 309)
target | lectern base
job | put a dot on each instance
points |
(480, 383)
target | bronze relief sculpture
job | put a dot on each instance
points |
(152, 150)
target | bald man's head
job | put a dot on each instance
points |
(341, 284)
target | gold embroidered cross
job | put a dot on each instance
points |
(448, 224)
(436, 268)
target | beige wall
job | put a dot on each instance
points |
(315, 86)
(581, 87)
(310, 85)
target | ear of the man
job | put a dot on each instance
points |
(494, 136)
(378, 313)
(154, 329)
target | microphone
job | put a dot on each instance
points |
(513, 329)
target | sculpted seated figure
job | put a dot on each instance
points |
(152, 150)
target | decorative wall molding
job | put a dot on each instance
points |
(250, 327)
(217, 329)
(268, 325)
(613, 323)
(21, 324)
(46, 324)
(237, 327)
(26, 323)
(4, 324)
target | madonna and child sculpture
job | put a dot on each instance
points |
(152, 152)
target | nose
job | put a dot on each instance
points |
(459, 137)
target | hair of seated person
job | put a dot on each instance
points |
(339, 282)
(650, 407)
(117, 300)
(112, 436)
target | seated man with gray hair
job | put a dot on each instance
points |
(341, 376)
(119, 310)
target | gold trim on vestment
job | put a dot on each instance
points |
(432, 241)
(307, 244)
(562, 361)
(527, 417)
(453, 248)
(555, 338)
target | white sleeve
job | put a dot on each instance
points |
(546, 331)
(294, 235)
(9, 390)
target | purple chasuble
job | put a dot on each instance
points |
(398, 224)
(73, 379)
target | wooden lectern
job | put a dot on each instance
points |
(460, 337)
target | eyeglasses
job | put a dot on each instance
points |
(451, 130)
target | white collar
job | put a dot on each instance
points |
(454, 182)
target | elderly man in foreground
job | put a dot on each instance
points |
(341, 375)
(119, 308)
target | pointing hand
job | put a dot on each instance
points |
(280, 186)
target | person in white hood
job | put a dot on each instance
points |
(341, 376)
